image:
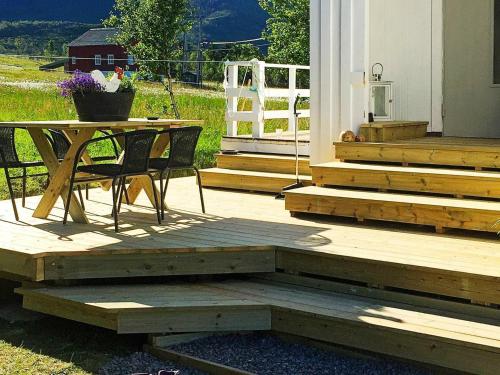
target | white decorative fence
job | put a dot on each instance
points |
(258, 93)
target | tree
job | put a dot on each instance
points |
(287, 30)
(150, 29)
(19, 44)
(50, 49)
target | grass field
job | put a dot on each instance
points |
(28, 94)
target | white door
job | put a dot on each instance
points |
(401, 39)
(471, 98)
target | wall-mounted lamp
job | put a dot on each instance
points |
(377, 72)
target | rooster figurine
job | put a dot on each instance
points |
(111, 85)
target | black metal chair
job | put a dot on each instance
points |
(135, 162)
(9, 159)
(183, 142)
(60, 144)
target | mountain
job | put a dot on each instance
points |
(84, 11)
(225, 20)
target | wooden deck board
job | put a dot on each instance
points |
(390, 177)
(461, 152)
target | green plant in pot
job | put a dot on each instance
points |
(98, 98)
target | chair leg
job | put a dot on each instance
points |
(11, 192)
(127, 199)
(200, 188)
(162, 197)
(80, 195)
(121, 188)
(68, 200)
(25, 177)
(87, 193)
(115, 208)
(157, 202)
(164, 193)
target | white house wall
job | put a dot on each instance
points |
(401, 38)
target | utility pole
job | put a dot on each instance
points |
(200, 52)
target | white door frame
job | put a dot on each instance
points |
(339, 57)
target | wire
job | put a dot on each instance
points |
(236, 42)
(93, 58)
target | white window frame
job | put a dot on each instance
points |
(97, 60)
(73, 60)
(130, 60)
(111, 59)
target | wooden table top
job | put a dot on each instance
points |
(76, 124)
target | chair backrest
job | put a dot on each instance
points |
(137, 151)
(183, 142)
(8, 145)
(60, 144)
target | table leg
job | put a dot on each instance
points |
(140, 183)
(60, 174)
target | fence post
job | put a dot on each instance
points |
(232, 105)
(292, 93)
(259, 100)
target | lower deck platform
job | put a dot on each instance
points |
(428, 334)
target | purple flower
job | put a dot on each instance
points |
(80, 83)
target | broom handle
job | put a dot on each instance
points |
(297, 100)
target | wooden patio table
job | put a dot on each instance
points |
(79, 132)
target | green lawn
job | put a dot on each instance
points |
(19, 103)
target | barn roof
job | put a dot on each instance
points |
(96, 37)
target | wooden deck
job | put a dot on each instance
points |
(244, 233)
(394, 289)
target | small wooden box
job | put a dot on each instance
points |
(393, 130)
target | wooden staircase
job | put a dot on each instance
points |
(255, 172)
(419, 183)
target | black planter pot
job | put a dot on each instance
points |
(104, 106)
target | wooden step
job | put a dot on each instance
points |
(270, 144)
(130, 309)
(415, 209)
(248, 180)
(474, 154)
(427, 334)
(428, 180)
(263, 163)
(388, 131)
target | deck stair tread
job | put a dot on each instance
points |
(399, 198)
(416, 170)
(476, 153)
(440, 212)
(392, 177)
(255, 173)
(263, 163)
(249, 180)
(434, 323)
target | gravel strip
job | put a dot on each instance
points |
(266, 354)
(142, 363)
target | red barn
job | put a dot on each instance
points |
(97, 49)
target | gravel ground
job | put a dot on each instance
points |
(267, 354)
(142, 363)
